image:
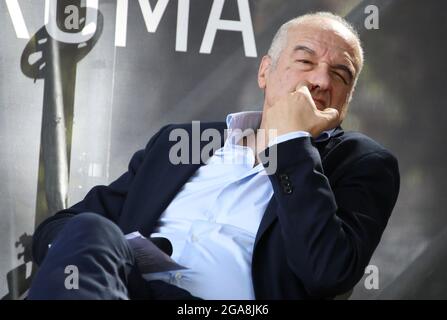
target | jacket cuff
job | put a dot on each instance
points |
(281, 156)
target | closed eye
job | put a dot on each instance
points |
(304, 61)
(341, 77)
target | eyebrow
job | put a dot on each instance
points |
(337, 66)
(304, 48)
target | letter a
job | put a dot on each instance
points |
(372, 21)
(244, 25)
(72, 280)
(87, 32)
(372, 280)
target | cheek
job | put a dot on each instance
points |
(281, 82)
(341, 96)
(287, 80)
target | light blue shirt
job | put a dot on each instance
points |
(213, 220)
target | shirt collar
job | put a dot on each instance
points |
(252, 120)
(244, 120)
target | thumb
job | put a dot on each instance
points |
(302, 86)
(332, 117)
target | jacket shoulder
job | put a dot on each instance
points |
(359, 145)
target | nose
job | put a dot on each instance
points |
(319, 78)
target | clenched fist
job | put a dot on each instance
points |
(297, 112)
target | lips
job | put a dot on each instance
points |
(321, 102)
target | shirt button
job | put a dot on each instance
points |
(194, 238)
(178, 276)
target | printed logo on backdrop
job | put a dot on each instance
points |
(75, 29)
(69, 31)
(152, 17)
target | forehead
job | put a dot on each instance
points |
(325, 37)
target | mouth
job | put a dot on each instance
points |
(321, 104)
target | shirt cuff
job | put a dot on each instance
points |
(289, 136)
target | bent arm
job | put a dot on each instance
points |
(331, 232)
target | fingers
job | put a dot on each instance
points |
(332, 117)
(302, 86)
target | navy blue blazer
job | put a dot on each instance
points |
(331, 203)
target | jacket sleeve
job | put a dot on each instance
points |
(331, 232)
(103, 200)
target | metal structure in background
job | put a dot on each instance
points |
(56, 65)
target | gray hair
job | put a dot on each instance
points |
(280, 39)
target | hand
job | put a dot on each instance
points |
(297, 112)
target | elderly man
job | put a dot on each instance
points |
(305, 230)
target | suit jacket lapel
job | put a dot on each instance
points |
(325, 146)
(159, 182)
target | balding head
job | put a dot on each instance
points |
(325, 20)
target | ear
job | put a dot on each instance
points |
(264, 68)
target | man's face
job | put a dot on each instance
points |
(322, 54)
